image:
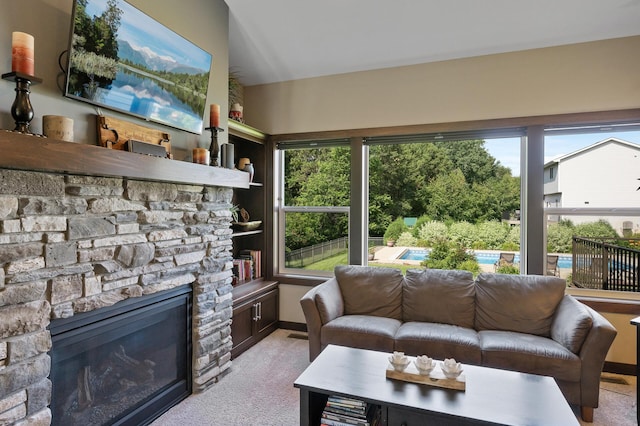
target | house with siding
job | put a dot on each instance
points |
(602, 175)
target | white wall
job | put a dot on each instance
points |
(204, 22)
(603, 176)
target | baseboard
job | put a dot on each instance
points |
(295, 326)
(619, 368)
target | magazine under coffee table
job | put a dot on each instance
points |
(492, 396)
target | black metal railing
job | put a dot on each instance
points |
(606, 263)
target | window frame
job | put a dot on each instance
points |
(532, 171)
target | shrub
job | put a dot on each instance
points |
(559, 237)
(406, 239)
(450, 255)
(470, 265)
(394, 230)
(432, 232)
(599, 229)
(508, 269)
(419, 222)
(492, 233)
(463, 233)
(512, 242)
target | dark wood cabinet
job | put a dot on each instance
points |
(255, 301)
(255, 314)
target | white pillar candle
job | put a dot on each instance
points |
(22, 53)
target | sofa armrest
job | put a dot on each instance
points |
(593, 353)
(320, 305)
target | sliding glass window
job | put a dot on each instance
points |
(592, 206)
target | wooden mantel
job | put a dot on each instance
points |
(37, 153)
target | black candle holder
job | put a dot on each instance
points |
(21, 110)
(214, 149)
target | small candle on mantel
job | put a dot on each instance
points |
(214, 115)
(22, 53)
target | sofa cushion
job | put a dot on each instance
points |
(439, 341)
(360, 331)
(441, 296)
(520, 303)
(571, 324)
(373, 291)
(529, 354)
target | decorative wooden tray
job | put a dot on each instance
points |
(435, 378)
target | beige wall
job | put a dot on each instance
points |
(582, 77)
(585, 77)
(204, 22)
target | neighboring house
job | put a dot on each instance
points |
(604, 174)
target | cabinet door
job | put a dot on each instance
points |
(267, 314)
(242, 327)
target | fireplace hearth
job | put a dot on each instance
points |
(125, 364)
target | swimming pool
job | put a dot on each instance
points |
(484, 258)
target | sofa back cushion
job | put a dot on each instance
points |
(371, 291)
(442, 296)
(520, 303)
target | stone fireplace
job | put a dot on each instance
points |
(72, 244)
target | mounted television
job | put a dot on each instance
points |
(121, 59)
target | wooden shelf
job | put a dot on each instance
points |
(249, 289)
(38, 153)
(243, 234)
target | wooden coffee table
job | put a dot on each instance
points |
(492, 396)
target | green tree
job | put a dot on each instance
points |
(450, 198)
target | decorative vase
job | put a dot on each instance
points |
(249, 168)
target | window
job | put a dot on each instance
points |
(313, 207)
(335, 217)
(595, 223)
(443, 201)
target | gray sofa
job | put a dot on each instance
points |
(523, 323)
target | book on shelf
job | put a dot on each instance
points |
(243, 269)
(256, 257)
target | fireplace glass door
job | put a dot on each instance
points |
(124, 364)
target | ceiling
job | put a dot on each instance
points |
(281, 40)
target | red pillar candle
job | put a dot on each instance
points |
(214, 115)
(22, 53)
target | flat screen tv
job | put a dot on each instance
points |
(121, 59)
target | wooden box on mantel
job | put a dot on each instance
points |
(119, 134)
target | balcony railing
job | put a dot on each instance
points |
(606, 263)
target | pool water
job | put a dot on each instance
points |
(484, 258)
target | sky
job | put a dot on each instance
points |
(507, 150)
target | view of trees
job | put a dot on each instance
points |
(95, 44)
(443, 181)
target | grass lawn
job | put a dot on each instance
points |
(330, 263)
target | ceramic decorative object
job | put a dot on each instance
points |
(249, 169)
(424, 364)
(451, 368)
(399, 361)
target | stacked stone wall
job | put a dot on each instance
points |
(72, 244)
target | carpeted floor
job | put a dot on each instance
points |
(259, 391)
